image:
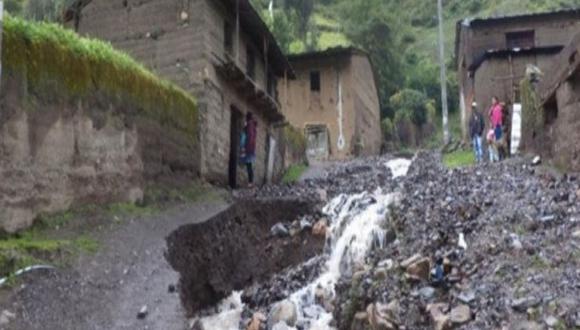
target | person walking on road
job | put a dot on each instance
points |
(476, 128)
(249, 137)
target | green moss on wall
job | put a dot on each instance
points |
(56, 60)
(295, 139)
(532, 113)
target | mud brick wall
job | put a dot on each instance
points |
(563, 125)
(473, 41)
(498, 77)
(366, 107)
(179, 39)
(58, 152)
(361, 110)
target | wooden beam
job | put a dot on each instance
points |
(238, 32)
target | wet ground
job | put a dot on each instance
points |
(107, 290)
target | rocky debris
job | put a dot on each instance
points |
(551, 321)
(496, 247)
(356, 176)
(526, 326)
(519, 224)
(283, 312)
(281, 285)
(143, 312)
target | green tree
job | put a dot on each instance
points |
(14, 7)
(413, 103)
(368, 24)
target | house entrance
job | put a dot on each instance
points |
(235, 131)
(317, 142)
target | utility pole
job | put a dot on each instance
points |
(1, 31)
(444, 106)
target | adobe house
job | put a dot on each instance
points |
(219, 50)
(492, 54)
(552, 109)
(334, 100)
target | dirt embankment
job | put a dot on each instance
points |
(55, 155)
(236, 249)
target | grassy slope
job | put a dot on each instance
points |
(418, 18)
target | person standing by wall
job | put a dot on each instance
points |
(249, 146)
(476, 127)
(496, 117)
(491, 146)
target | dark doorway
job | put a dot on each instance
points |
(235, 131)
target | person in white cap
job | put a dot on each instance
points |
(476, 128)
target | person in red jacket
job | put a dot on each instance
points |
(251, 134)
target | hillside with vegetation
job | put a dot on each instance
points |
(401, 37)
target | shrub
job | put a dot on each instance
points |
(413, 103)
(406, 130)
(388, 129)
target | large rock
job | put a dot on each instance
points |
(320, 228)
(285, 312)
(384, 317)
(5, 318)
(279, 230)
(460, 314)
(439, 317)
(408, 262)
(257, 320)
(419, 270)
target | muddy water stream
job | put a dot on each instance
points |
(354, 228)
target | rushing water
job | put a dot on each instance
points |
(355, 226)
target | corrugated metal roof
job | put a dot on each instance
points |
(330, 52)
(494, 19)
(499, 53)
(482, 21)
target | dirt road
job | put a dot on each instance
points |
(107, 290)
